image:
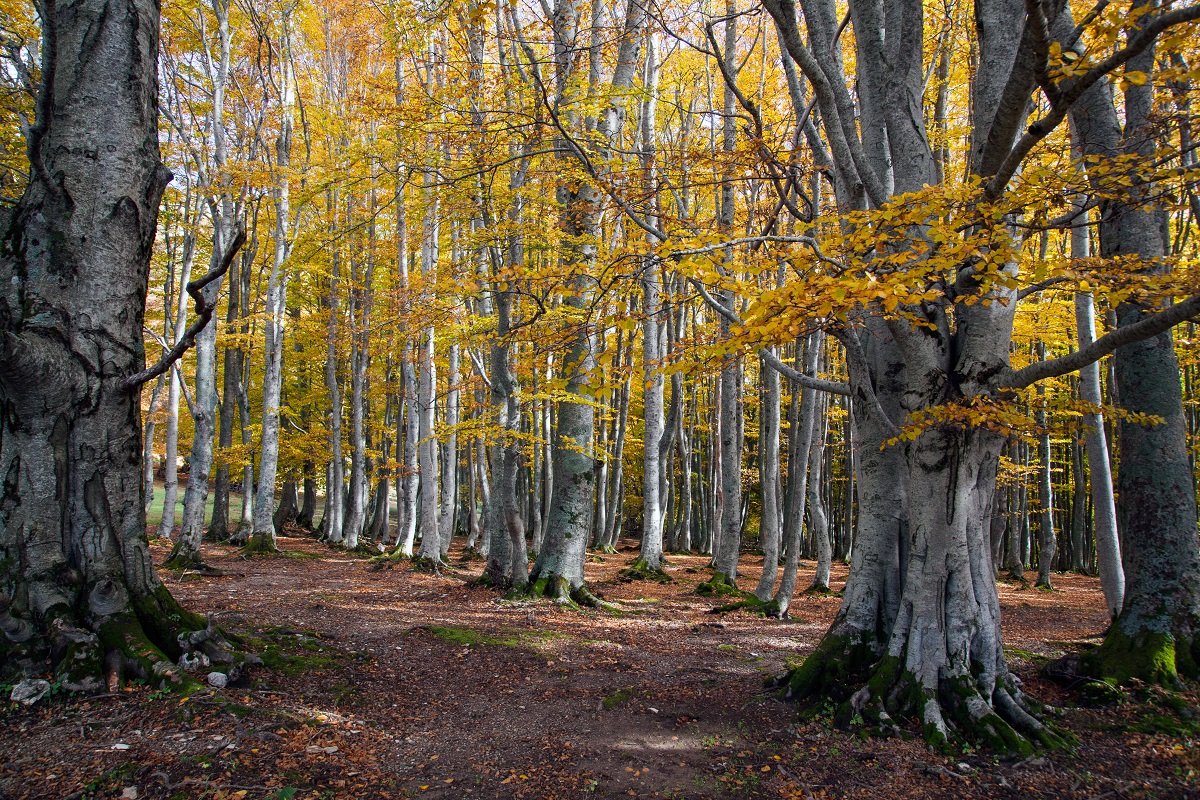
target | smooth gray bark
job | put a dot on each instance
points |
(263, 535)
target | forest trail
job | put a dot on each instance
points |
(404, 684)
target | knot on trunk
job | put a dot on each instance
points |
(107, 598)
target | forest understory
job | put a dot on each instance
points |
(395, 683)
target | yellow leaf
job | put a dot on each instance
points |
(1136, 77)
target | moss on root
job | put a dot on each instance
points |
(389, 559)
(1148, 656)
(260, 542)
(433, 566)
(192, 561)
(640, 570)
(719, 585)
(878, 694)
(558, 589)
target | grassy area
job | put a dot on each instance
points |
(155, 515)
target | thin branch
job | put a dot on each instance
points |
(791, 373)
(1143, 329)
(479, 368)
(204, 313)
(756, 240)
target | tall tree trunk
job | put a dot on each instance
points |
(1047, 540)
(171, 458)
(1156, 637)
(818, 520)
(336, 487)
(447, 515)
(1104, 509)
(82, 591)
(798, 460)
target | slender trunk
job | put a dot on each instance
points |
(1047, 540)
(447, 520)
(818, 521)
(263, 536)
(171, 458)
(798, 461)
(768, 438)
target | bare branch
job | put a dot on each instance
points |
(791, 373)
(1143, 329)
(204, 313)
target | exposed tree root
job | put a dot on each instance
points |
(719, 585)
(260, 543)
(389, 559)
(640, 570)
(607, 549)
(749, 602)
(189, 562)
(559, 590)
(819, 589)
(433, 566)
(960, 709)
(150, 638)
(241, 536)
(472, 554)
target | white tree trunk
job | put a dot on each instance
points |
(263, 535)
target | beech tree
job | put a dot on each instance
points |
(936, 655)
(78, 582)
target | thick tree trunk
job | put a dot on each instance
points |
(1156, 637)
(81, 590)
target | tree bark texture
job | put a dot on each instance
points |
(78, 583)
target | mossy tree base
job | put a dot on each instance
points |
(472, 554)
(149, 638)
(433, 566)
(640, 570)
(1162, 658)
(880, 695)
(260, 543)
(559, 590)
(606, 549)
(720, 585)
(189, 561)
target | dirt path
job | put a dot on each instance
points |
(397, 684)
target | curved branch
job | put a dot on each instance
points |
(791, 373)
(1040, 129)
(204, 313)
(1142, 329)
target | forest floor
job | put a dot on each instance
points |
(392, 683)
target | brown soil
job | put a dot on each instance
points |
(404, 684)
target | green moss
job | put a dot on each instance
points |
(260, 542)
(125, 634)
(617, 698)
(1026, 655)
(639, 570)
(719, 585)
(1148, 656)
(300, 554)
